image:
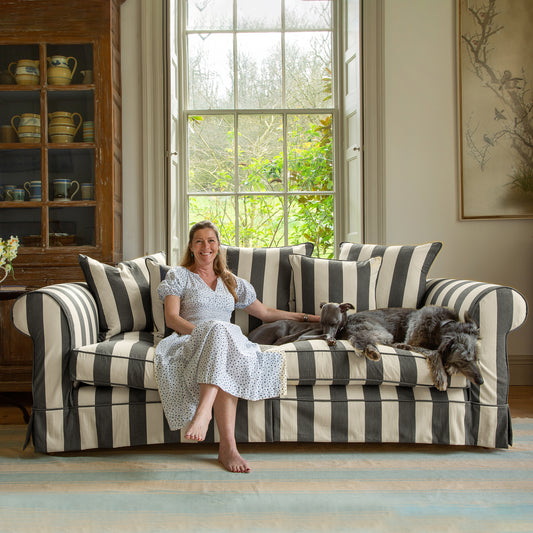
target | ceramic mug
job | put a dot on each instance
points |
(7, 134)
(18, 194)
(8, 192)
(1, 193)
(87, 191)
(33, 188)
(62, 189)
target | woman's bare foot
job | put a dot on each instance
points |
(197, 429)
(231, 459)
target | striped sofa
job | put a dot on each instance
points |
(93, 375)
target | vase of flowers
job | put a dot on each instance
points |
(8, 252)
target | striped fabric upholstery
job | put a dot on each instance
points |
(122, 293)
(402, 276)
(157, 273)
(269, 272)
(127, 359)
(68, 415)
(327, 280)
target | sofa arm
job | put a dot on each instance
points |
(497, 310)
(58, 318)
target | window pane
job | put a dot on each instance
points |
(308, 69)
(310, 152)
(211, 150)
(261, 221)
(303, 14)
(258, 14)
(259, 70)
(260, 153)
(210, 71)
(209, 14)
(311, 218)
(219, 209)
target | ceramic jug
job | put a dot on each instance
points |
(59, 71)
(27, 71)
(62, 126)
(29, 127)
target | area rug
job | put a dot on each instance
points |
(292, 488)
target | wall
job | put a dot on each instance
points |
(420, 159)
(421, 162)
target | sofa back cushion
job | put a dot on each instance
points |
(402, 276)
(269, 271)
(122, 293)
(329, 280)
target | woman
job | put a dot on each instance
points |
(207, 363)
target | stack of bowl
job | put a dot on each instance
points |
(62, 127)
(29, 127)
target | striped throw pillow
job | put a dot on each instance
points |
(329, 280)
(122, 293)
(403, 272)
(269, 272)
(157, 273)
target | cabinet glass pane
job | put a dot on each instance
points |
(69, 64)
(19, 65)
(22, 223)
(18, 167)
(72, 226)
(76, 166)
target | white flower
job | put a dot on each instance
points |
(8, 252)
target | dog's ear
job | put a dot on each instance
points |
(345, 306)
(469, 319)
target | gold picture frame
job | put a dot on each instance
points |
(495, 107)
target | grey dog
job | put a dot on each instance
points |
(449, 345)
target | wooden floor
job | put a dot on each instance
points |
(520, 400)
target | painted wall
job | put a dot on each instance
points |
(421, 165)
(421, 159)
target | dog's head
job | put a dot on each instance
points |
(333, 319)
(460, 349)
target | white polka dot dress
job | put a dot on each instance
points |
(216, 352)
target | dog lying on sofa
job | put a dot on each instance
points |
(449, 345)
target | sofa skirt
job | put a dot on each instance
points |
(113, 417)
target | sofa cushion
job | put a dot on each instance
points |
(402, 276)
(269, 272)
(127, 360)
(157, 273)
(122, 293)
(329, 280)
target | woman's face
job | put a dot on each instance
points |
(204, 246)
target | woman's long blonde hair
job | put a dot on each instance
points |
(219, 264)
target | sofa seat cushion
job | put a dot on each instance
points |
(316, 363)
(127, 360)
(123, 360)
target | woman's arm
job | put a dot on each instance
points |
(268, 314)
(172, 316)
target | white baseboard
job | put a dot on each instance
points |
(521, 369)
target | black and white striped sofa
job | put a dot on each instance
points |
(93, 376)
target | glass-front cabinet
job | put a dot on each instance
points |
(60, 160)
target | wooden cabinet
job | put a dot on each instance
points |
(60, 135)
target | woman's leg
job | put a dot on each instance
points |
(199, 424)
(225, 409)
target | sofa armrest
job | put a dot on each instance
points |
(497, 310)
(58, 318)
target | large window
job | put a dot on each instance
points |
(258, 119)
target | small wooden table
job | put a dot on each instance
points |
(16, 350)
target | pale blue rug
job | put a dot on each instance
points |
(292, 488)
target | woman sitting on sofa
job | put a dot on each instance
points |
(208, 363)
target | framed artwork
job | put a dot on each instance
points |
(495, 103)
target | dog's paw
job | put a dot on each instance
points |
(372, 353)
(331, 342)
(403, 346)
(441, 384)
